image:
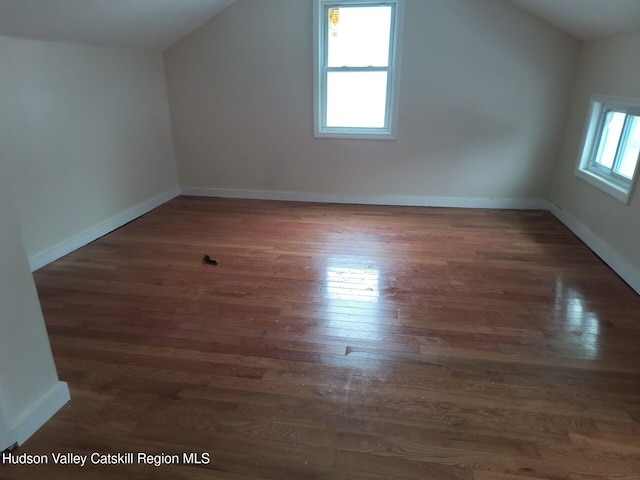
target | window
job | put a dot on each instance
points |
(609, 158)
(356, 68)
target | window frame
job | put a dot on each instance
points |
(604, 178)
(320, 44)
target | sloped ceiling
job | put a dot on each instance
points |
(587, 19)
(143, 24)
(158, 24)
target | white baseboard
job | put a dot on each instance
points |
(628, 273)
(613, 259)
(45, 257)
(38, 414)
(398, 200)
(601, 248)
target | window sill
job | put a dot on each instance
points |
(354, 136)
(609, 187)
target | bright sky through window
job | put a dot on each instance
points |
(619, 144)
(357, 44)
(611, 150)
(629, 159)
(358, 37)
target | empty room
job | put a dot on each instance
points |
(320, 239)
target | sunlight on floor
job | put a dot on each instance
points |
(353, 284)
(579, 319)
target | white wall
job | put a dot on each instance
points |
(29, 388)
(6, 440)
(608, 66)
(482, 103)
(85, 135)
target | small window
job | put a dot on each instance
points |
(356, 68)
(609, 158)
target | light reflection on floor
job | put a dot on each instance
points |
(572, 308)
(353, 284)
(352, 290)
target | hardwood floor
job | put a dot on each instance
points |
(342, 342)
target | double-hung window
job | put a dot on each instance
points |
(609, 158)
(356, 65)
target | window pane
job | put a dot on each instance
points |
(631, 149)
(609, 139)
(356, 99)
(359, 36)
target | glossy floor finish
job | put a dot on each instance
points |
(343, 342)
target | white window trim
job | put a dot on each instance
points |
(620, 190)
(320, 131)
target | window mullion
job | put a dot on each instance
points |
(599, 145)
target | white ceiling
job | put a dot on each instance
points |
(158, 24)
(587, 19)
(144, 24)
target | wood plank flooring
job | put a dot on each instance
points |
(342, 342)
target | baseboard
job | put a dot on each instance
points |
(628, 273)
(601, 248)
(397, 200)
(37, 415)
(45, 257)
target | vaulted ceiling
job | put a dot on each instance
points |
(158, 24)
(587, 19)
(143, 24)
